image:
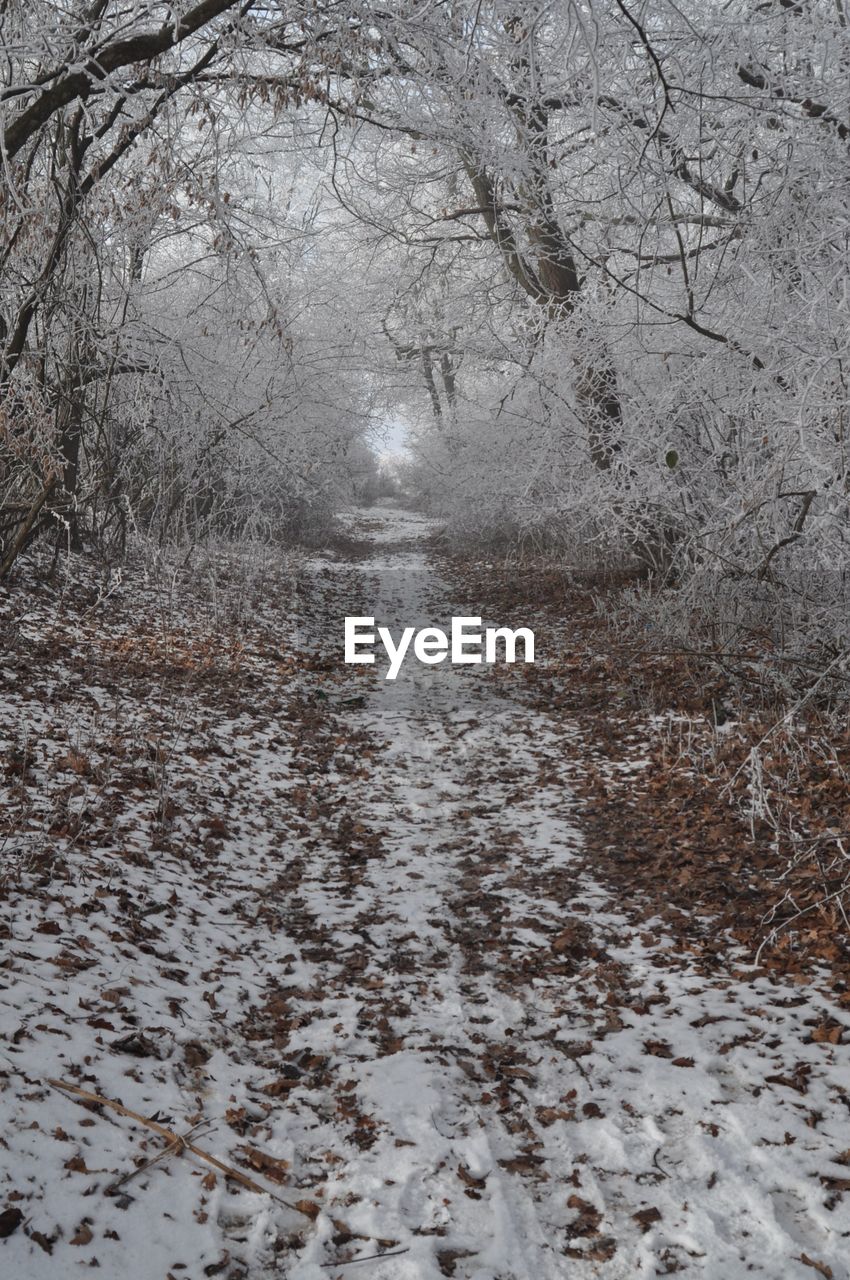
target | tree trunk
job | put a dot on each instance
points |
(554, 284)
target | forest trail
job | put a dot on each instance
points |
(347, 931)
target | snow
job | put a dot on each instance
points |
(351, 923)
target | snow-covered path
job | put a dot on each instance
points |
(385, 980)
(552, 1094)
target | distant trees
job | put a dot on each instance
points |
(596, 251)
(122, 248)
(635, 215)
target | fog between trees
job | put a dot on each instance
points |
(593, 254)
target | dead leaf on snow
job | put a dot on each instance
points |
(309, 1208)
(822, 1267)
(10, 1220)
(274, 1169)
(83, 1235)
(658, 1048)
(645, 1218)
(828, 1033)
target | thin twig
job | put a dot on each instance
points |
(175, 1138)
(789, 714)
(367, 1257)
(178, 1145)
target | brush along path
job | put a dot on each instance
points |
(341, 932)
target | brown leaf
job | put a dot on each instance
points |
(279, 1086)
(548, 1115)
(101, 1024)
(835, 1184)
(196, 1054)
(587, 1223)
(309, 1208)
(828, 1033)
(447, 1259)
(602, 1250)
(517, 1073)
(216, 826)
(658, 1048)
(575, 1048)
(275, 1170)
(114, 995)
(571, 939)
(798, 1082)
(136, 1044)
(83, 1236)
(216, 1268)
(470, 1179)
(645, 1218)
(73, 963)
(237, 1118)
(10, 1220)
(44, 1242)
(825, 1271)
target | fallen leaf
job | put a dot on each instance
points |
(10, 1220)
(824, 1270)
(275, 1170)
(828, 1033)
(279, 1086)
(645, 1218)
(658, 1048)
(44, 1242)
(309, 1208)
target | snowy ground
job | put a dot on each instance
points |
(341, 929)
